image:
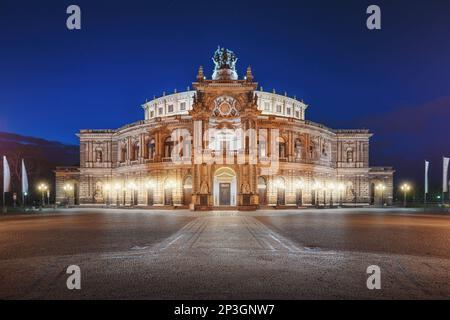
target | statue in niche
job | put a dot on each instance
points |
(245, 188)
(350, 193)
(98, 155)
(98, 192)
(312, 150)
(204, 189)
(325, 149)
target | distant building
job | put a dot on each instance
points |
(224, 144)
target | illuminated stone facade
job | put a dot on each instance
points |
(225, 144)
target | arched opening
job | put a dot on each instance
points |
(168, 192)
(151, 150)
(298, 185)
(149, 196)
(135, 197)
(187, 191)
(168, 147)
(75, 193)
(262, 191)
(225, 190)
(280, 187)
(135, 151)
(372, 193)
(187, 147)
(313, 197)
(281, 148)
(150, 186)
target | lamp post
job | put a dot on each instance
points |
(405, 188)
(380, 188)
(67, 188)
(43, 188)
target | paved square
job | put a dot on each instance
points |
(289, 254)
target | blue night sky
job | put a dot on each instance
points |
(394, 81)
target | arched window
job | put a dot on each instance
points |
(151, 149)
(281, 148)
(168, 147)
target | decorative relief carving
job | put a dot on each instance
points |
(225, 106)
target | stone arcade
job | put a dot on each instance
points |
(224, 144)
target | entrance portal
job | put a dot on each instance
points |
(225, 187)
(224, 194)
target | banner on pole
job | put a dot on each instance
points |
(6, 176)
(427, 165)
(24, 179)
(445, 175)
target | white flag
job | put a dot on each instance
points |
(24, 179)
(445, 175)
(427, 164)
(6, 175)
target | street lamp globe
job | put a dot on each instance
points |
(405, 187)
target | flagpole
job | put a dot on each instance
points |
(426, 185)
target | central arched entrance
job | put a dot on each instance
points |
(225, 190)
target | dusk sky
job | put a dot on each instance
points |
(394, 81)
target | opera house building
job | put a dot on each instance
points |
(224, 143)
